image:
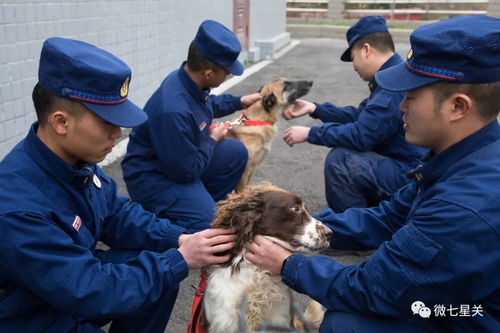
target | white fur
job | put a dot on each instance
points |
(269, 300)
(310, 239)
(224, 293)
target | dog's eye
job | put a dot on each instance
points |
(296, 208)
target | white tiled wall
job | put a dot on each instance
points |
(151, 36)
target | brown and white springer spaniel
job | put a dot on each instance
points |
(280, 216)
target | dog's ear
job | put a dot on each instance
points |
(242, 212)
(269, 101)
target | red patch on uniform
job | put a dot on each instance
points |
(77, 223)
(203, 125)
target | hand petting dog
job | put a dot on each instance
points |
(248, 100)
(201, 248)
(267, 255)
(300, 108)
(297, 134)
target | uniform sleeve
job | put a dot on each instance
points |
(181, 157)
(328, 112)
(442, 249)
(368, 228)
(223, 105)
(38, 254)
(379, 121)
(128, 226)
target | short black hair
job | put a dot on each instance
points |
(485, 96)
(382, 41)
(196, 62)
(46, 102)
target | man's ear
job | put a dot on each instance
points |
(59, 121)
(208, 73)
(366, 50)
(461, 106)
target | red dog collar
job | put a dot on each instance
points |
(250, 122)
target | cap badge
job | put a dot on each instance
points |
(410, 54)
(124, 88)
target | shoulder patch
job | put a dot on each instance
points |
(77, 223)
(384, 98)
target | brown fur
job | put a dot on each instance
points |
(276, 97)
(266, 210)
(240, 211)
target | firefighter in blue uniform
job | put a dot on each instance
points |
(370, 156)
(176, 165)
(56, 204)
(438, 238)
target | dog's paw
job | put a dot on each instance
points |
(314, 313)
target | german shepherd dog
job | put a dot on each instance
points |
(258, 123)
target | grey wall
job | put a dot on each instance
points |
(494, 8)
(267, 28)
(267, 19)
(151, 36)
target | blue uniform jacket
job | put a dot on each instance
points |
(174, 145)
(51, 217)
(375, 125)
(438, 242)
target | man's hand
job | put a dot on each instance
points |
(300, 108)
(199, 249)
(248, 100)
(218, 132)
(268, 256)
(296, 134)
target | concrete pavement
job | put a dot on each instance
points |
(298, 169)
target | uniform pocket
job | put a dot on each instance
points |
(399, 263)
(416, 245)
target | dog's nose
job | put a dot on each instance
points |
(328, 232)
(310, 83)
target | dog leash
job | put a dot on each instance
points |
(197, 323)
(243, 120)
(227, 124)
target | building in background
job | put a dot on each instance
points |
(151, 36)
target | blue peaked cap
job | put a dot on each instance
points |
(83, 72)
(365, 26)
(218, 44)
(463, 49)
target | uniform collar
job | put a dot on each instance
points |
(393, 60)
(80, 177)
(433, 165)
(191, 86)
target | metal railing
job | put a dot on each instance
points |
(307, 8)
(393, 9)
